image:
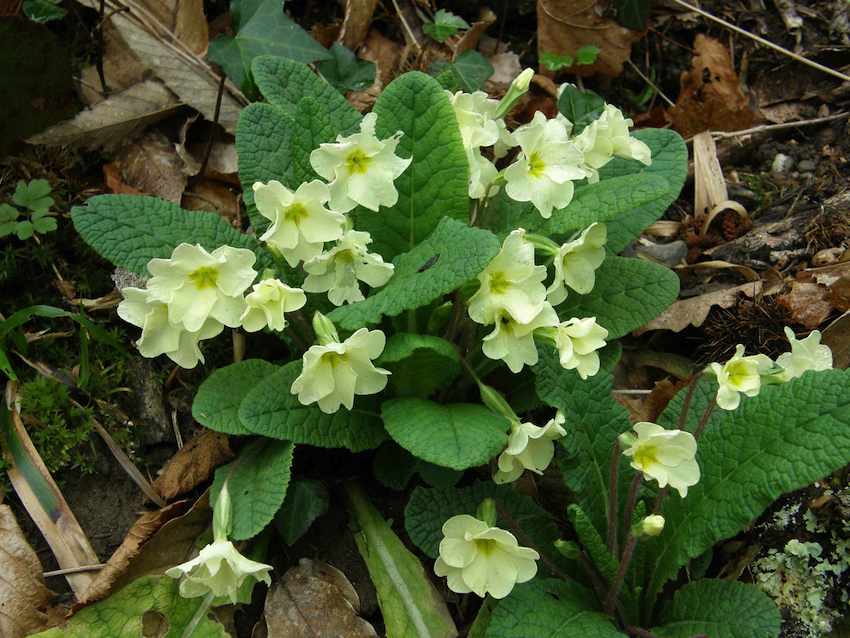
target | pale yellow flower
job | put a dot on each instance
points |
(529, 448)
(652, 525)
(806, 354)
(267, 303)
(576, 263)
(513, 342)
(577, 341)
(666, 456)
(739, 375)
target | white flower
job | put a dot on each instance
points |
(806, 354)
(361, 168)
(513, 342)
(577, 341)
(510, 283)
(482, 559)
(548, 161)
(475, 118)
(333, 373)
(482, 174)
(300, 221)
(739, 375)
(652, 525)
(159, 335)
(606, 137)
(267, 303)
(576, 263)
(219, 570)
(667, 456)
(529, 448)
(197, 285)
(339, 269)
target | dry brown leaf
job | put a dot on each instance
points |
(506, 66)
(711, 98)
(355, 25)
(564, 26)
(195, 144)
(315, 600)
(839, 293)
(193, 464)
(386, 54)
(121, 69)
(837, 336)
(112, 121)
(808, 303)
(469, 39)
(23, 595)
(213, 196)
(152, 166)
(648, 407)
(115, 181)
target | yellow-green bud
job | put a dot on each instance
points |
(325, 330)
(487, 512)
(494, 400)
(222, 514)
(652, 525)
(568, 549)
(517, 89)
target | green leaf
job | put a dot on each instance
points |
(420, 364)
(633, 14)
(34, 195)
(285, 83)
(270, 409)
(628, 293)
(435, 184)
(269, 31)
(216, 404)
(122, 614)
(257, 482)
(394, 466)
(587, 54)
(410, 606)
(224, 51)
(452, 255)
(781, 440)
(445, 25)
(130, 230)
(581, 107)
(43, 10)
(345, 71)
(458, 436)
(429, 508)
(550, 609)
(7, 228)
(8, 213)
(306, 500)
(556, 61)
(595, 420)
(720, 609)
(24, 229)
(243, 10)
(669, 160)
(469, 72)
(44, 224)
(592, 543)
(313, 126)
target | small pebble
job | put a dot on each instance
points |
(781, 163)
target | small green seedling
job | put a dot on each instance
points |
(32, 215)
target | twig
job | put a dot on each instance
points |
(216, 114)
(100, 45)
(548, 12)
(686, 404)
(722, 135)
(613, 504)
(651, 83)
(74, 570)
(706, 415)
(799, 58)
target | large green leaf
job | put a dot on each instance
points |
(306, 500)
(550, 609)
(410, 606)
(130, 230)
(270, 409)
(257, 481)
(628, 293)
(720, 609)
(420, 364)
(122, 614)
(435, 184)
(459, 436)
(216, 404)
(781, 440)
(451, 255)
(285, 83)
(314, 125)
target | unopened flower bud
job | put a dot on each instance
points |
(652, 525)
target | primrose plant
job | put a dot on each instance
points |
(446, 290)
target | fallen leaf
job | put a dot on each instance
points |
(194, 145)
(114, 120)
(152, 166)
(648, 407)
(808, 303)
(386, 54)
(121, 69)
(193, 464)
(839, 293)
(23, 594)
(469, 39)
(355, 24)
(314, 600)
(115, 181)
(710, 98)
(837, 336)
(564, 26)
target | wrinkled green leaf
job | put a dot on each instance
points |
(216, 404)
(420, 364)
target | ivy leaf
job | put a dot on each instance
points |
(420, 364)
(550, 608)
(581, 107)
(306, 500)
(452, 255)
(435, 184)
(587, 54)
(34, 195)
(130, 230)
(43, 10)
(445, 25)
(122, 614)
(345, 71)
(720, 609)
(556, 61)
(459, 436)
(628, 293)
(271, 410)
(216, 403)
(257, 481)
(781, 440)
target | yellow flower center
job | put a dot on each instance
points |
(204, 277)
(536, 165)
(357, 161)
(485, 546)
(345, 256)
(645, 456)
(295, 213)
(498, 283)
(738, 372)
(335, 358)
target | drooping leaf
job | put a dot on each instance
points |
(306, 500)
(720, 609)
(271, 410)
(130, 230)
(345, 71)
(453, 254)
(410, 605)
(435, 184)
(216, 404)
(257, 482)
(458, 436)
(445, 25)
(420, 364)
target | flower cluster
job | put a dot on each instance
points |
(746, 374)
